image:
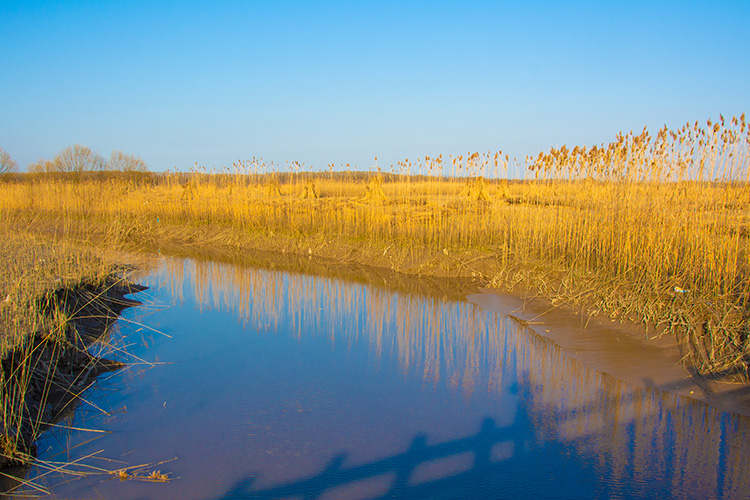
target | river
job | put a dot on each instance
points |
(249, 383)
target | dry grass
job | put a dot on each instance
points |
(57, 298)
(33, 267)
(651, 228)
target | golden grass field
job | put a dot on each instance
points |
(649, 228)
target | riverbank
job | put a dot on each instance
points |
(585, 298)
(621, 349)
(58, 298)
(627, 351)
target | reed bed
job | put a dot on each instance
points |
(56, 300)
(650, 228)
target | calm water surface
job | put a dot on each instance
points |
(277, 385)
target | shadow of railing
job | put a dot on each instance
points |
(467, 467)
(595, 448)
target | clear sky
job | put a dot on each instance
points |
(321, 82)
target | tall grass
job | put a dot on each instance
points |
(56, 298)
(651, 228)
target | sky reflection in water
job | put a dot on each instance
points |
(292, 386)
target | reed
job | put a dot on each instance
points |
(651, 228)
(57, 299)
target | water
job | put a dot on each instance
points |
(282, 385)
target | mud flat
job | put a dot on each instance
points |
(625, 350)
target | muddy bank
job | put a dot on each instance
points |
(627, 351)
(43, 376)
(453, 288)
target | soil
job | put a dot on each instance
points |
(624, 350)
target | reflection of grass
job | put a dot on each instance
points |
(474, 352)
(625, 228)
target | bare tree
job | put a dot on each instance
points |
(78, 158)
(7, 164)
(42, 167)
(121, 162)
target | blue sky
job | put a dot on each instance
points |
(322, 82)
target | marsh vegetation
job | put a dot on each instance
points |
(651, 228)
(58, 302)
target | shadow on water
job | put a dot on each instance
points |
(539, 456)
(479, 466)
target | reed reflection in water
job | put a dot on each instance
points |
(449, 342)
(476, 390)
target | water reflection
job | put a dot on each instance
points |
(451, 342)
(293, 386)
(635, 434)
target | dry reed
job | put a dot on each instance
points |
(58, 298)
(652, 228)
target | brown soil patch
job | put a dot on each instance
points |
(624, 350)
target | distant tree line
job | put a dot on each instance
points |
(78, 159)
